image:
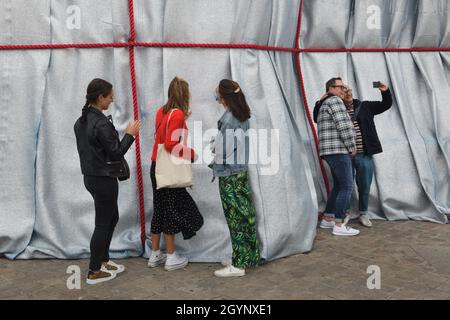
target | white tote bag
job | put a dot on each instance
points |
(172, 171)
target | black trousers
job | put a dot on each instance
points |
(105, 191)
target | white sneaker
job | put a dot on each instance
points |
(111, 266)
(344, 230)
(156, 259)
(229, 271)
(174, 262)
(365, 221)
(100, 277)
(324, 224)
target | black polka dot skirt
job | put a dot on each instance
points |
(174, 210)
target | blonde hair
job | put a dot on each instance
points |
(178, 95)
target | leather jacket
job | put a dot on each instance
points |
(100, 150)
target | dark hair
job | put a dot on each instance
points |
(331, 83)
(95, 88)
(178, 94)
(234, 99)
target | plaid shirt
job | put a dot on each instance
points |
(336, 130)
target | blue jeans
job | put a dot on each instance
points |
(363, 165)
(339, 197)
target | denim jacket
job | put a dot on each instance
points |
(230, 146)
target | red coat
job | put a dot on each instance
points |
(177, 122)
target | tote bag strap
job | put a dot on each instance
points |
(167, 123)
(162, 122)
(182, 138)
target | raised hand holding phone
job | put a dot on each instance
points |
(380, 85)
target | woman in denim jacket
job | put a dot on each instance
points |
(231, 155)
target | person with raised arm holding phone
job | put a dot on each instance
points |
(368, 144)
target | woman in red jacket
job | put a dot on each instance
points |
(174, 210)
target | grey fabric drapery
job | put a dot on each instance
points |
(45, 210)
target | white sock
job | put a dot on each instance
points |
(156, 253)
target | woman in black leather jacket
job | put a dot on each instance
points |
(102, 163)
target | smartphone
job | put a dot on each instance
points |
(376, 84)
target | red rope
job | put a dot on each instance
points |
(131, 16)
(62, 46)
(138, 148)
(213, 46)
(305, 101)
(132, 43)
(136, 117)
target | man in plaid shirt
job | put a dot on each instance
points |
(337, 147)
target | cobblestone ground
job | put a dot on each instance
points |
(413, 257)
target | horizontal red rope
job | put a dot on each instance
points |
(63, 46)
(131, 43)
(213, 46)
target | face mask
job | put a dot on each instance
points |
(215, 96)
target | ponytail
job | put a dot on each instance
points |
(84, 112)
(95, 88)
(234, 98)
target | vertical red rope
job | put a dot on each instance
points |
(305, 101)
(131, 16)
(131, 43)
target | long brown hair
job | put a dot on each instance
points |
(234, 99)
(95, 88)
(179, 95)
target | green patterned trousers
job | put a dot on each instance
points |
(237, 205)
